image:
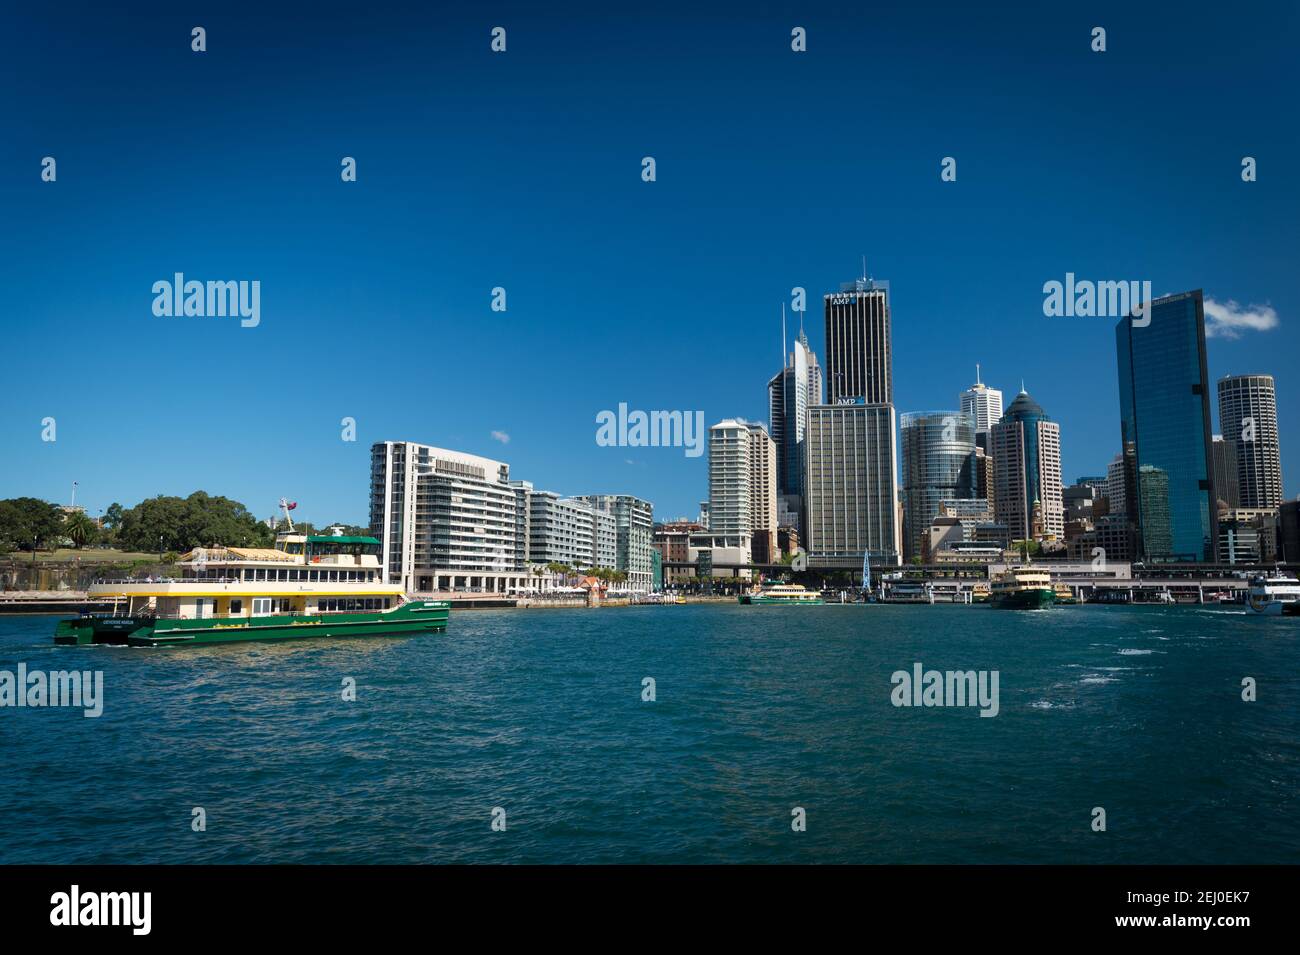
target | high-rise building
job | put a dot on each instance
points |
(445, 519)
(790, 393)
(851, 485)
(859, 365)
(742, 479)
(1116, 486)
(1225, 472)
(1026, 447)
(762, 479)
(938, 456)
(1248, 418)
(631, 536)
(729, 477)
(1164, 398)
(851, 491)
(983, 403)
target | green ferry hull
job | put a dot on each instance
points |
(780, 601)
(1024, 600)
(419, 616)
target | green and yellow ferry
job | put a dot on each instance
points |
(781, 594)
(306, 586)
(1022, 588)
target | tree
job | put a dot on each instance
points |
(181, 524)
(28, 522)
(80, 529)
(113, 516)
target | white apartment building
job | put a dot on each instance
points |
(633, 529)
(446, 520)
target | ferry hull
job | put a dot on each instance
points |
(419, 616)
(784, 601)
(1033, 599)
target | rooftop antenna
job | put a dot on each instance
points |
(864, 268)
(1022, 386)
(977, 374)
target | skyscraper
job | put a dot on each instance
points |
(790, 393)
(851, 484)
(859, 365)
(983, 403)
(729, 504)
(1248, 418)
(1026, 447)
(742, 481)
(1164, 398)
(938, 453)
(1225, 471)
(852, 495)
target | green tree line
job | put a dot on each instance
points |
(161, 523)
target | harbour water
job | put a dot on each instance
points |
(757, 711)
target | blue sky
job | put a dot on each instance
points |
(522, 170)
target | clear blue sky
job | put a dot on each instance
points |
(522, 170)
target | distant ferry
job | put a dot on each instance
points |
(1022, 588)
(1274, 594)
(782, 594)
(1065, 594)
(307, 586)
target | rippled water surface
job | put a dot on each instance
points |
(758, 710)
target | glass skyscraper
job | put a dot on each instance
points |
(938, 464)
(1164, 400)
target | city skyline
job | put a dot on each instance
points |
(579, 242)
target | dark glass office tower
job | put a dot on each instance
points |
(1164, 401)
(859, 369)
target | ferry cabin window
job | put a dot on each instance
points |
(236, 606)
(261, 606)
(337, 604)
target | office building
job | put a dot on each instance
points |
(858, 345)
(984, 404)
(1026, 448)
(1165, 430)
(1224, 482)
(1248, 418)
(1116, 486)
(851, 493)
(938, 458)
(790, 393)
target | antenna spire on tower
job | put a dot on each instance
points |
(977, 374)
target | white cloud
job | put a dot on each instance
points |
(1229, 320)
(501, 436)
